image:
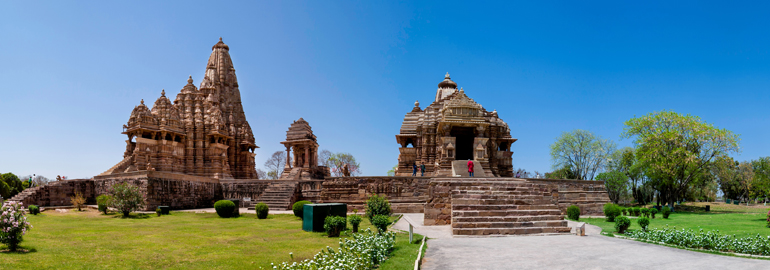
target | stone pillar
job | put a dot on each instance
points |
(288, 156)
(307, 156)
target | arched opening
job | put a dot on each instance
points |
(503, 146)
(409, 143)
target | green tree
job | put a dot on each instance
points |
(392, 171)
(625, 161)
(563, 173)
(14, 184)
(677, 148)
(126, 198)
(616, 184)
(724, 169)
(582, 152)
(338, 162)
(761, 185)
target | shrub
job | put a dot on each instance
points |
(262, 210)
(126, 198)
(646, 212)
(622, 223)
(653, 211)
(13, 224)
(103, 201)
(78, 201)
(623, 210)
(364, 251)
(636, 211)
(381, 222)
(157, 211)
(666, 212)
(355, 220)
(611, 211)
(643, 222)
(768, 219)
(33, 209)
(377, 205)
(333, 225)
(224, 208)
(573, 212)
(298, 206)
(711, 240)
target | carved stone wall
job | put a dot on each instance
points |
(178, 191)
(406, 194)
(58, 193)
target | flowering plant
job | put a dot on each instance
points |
(709, 240)
(365, 251)
(13, 224)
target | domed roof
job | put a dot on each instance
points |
(141, 115)
(220, 44)
(447, 83)
(165, 112)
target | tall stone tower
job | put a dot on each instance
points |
(204, 132)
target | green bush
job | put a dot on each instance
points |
(666, 211)
(224, 208)
(636, 211)
(646, 212)
(622, 223)
(381, 222)
(643, 222)
(623, 211)
(103, 201)
(365, 251)
(126, 198)
(768, 219)
(611, 211)
(262, 210)
(355, 220)
(33, 209)
(333, 225)
(653, 211)
(298, 206)
(377, 205)
(573, 212)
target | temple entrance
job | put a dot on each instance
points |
(464, 139)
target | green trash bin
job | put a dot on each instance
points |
(314, 215)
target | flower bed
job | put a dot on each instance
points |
(365, 251)
(710, 240)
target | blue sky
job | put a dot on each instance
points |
(72, 72)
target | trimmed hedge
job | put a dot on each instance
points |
(611, 211)
(224, 208)
(333, 225)
(34, 209)
(381, 222)
(262, 210)
(298, 206)
(573, 212)
(643, 222)
(355, 220)
(377, 205)
(653, 211)
(622, 223)
(666, 212)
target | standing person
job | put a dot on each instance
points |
(414, 169)
(470, 168)
(422, 169)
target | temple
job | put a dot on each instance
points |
(204, 132)
(449, 132)
(303, 165)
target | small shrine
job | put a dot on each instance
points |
(303, 164)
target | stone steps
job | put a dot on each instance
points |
(277, 196)
(490, 208)
(509, 231)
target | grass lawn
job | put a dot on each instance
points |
(728, 219)
(179, 241)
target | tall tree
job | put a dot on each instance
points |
(13, 182)
(337, 161)
(724, 169)
(582, 152)
(261, 174)
(275, 164)
(676, 148)
(624, 160)
(761, 185)
(615, 183)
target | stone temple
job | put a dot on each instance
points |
(204, 132)
(449, 132)
(198, 149)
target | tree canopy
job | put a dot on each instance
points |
(582, 152)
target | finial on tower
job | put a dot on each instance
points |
(163, 92)
(142, 102)
(189, 80)
(447, 75)
(461, 90)
(417, 103)
(220, 39)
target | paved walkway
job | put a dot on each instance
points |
(593, 251)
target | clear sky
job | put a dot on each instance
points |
(72, 71)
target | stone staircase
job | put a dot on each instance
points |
(506, 208)
(460, 167)
(277, 196)
(27, 193)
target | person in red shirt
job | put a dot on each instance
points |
(470, 168)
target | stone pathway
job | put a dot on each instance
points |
(593, 251)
